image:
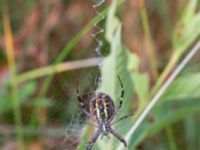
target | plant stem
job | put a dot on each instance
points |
(37, 73)
(166, 72)
(12, 68)
(149, 42)
(191, 133)
(171, 140)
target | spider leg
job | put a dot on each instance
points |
(114, 114)
(97, 82)
(122, 118)
(93, 140)
(120, 102)
(122, 93)
(118, 136)
(83, 109)
(81, 102)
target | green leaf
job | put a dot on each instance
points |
(24, 93)
(133, 61)
(116, 65)
(163, 115)
(84, 139)
(180, 100)
(27, 90)
(5, 103)
(187, 29)
(141, 85)
(189, 11)
(42, 102)
(187, 86)
(191, 133)
(112, 22)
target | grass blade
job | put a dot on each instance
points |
(12, 67)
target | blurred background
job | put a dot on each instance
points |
(46, 47)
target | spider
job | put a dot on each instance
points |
(102, 112)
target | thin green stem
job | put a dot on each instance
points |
(149, 41)
(12, 67)
(170, 138)
(173, 61)
(37, 73)
(191, 133)
(65, 52)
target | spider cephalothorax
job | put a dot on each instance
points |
(102, 111)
